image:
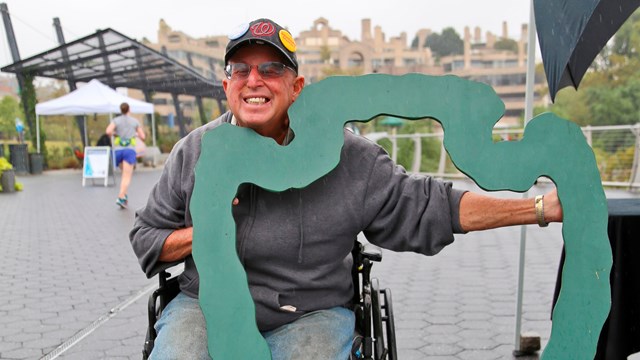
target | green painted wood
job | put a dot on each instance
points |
(467, 110)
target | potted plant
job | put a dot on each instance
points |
(8, 181)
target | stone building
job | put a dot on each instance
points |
(504, 69)
(204, 55)
(324, 51)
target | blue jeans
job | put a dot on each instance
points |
(324, 334)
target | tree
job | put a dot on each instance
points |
(617, 104)
(414, 42)
(506, 44)
(325, 54)
(9, 110)
(627, 39)
(610, 91)
(447, 43)
(28, 99)
(334, 71)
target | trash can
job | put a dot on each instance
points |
(18, 158)
(8, 181)
(36, 163)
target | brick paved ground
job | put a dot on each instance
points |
(67, 262)
(69, 277)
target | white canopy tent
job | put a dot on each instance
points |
(92, 98)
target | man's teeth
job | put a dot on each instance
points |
(256, 100)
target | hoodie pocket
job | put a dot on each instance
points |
(275, 301)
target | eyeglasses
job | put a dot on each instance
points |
(271, 69)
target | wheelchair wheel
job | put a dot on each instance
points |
(390, 327)
(382, 311)
(380, 351)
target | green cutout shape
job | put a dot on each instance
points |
(467, 110)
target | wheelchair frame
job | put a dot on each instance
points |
(372, 307)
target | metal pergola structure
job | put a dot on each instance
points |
(119, 61)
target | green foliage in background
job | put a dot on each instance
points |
(335, 71)
(615, 166)
(609, 94)
(61, 156)
(28, 98)
(506, 44)
(445, 44)
(166, 141)
(9, 110)
(431, 146)
(5, 165)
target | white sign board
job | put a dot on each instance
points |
(98, 164)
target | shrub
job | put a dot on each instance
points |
(167, 141)
(6, 165)
(70, 163)
(54, 158)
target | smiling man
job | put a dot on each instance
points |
(296, 245)
(262, 79)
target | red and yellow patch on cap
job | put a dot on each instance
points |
(263, 29)
(287, 40)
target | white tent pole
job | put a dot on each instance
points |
(153, 129)
(528, 114)
(86, 137)
(38, 133)
(531, 67)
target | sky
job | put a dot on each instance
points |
(33, 19)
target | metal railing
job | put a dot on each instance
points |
(616, 148)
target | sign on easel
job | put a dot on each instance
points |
(98, 164)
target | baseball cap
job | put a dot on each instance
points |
(263, 31)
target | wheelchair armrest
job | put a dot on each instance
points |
(371, 252)
(162, 266)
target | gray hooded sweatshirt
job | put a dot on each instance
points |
(296, 245)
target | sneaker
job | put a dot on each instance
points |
(122, 202)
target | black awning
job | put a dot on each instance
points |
(118, 61)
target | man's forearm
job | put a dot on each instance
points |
(177, 246)
(479, 212)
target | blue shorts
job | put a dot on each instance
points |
(126, 154)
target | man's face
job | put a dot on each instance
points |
(262, 103)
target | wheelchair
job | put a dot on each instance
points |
(375, 327)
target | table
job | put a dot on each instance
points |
(620, 336)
